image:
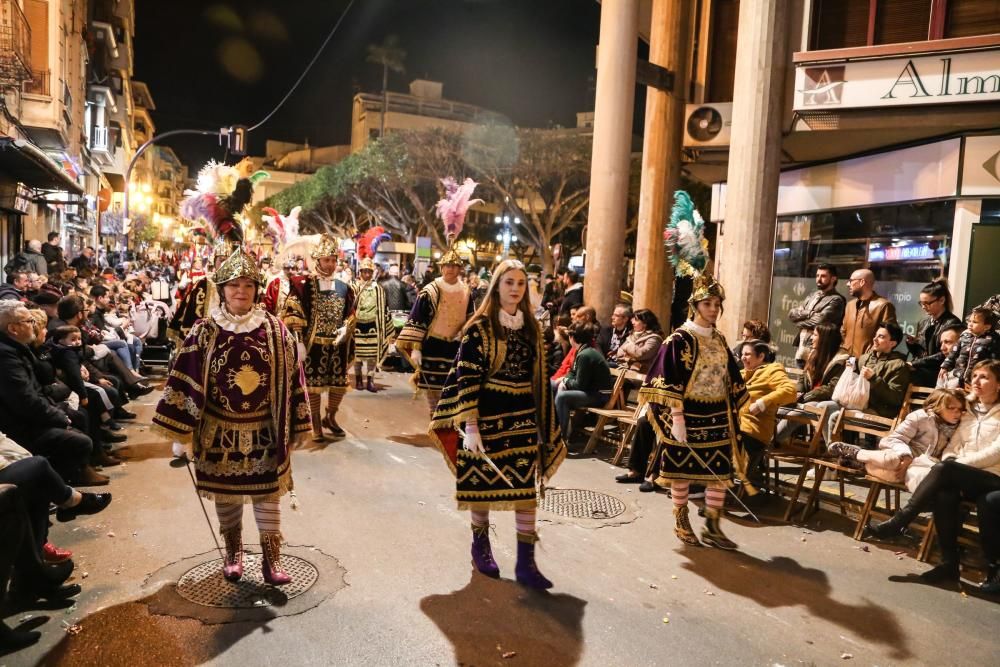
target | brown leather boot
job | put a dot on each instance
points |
(90, 477)
(683, 529)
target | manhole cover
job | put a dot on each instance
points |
(581, 504)
(205, 585)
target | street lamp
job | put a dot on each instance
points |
(506, 235)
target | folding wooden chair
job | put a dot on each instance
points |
(799, 450)
(969, 523)
(876, 486)
(848, 421)
(915, 398)
(608, 428)
(614, 397)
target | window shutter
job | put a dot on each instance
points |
(902, 21)
(37, 13)
(967, 18)
(722, 57)
(839, 24)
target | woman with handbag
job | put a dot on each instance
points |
(640, 347)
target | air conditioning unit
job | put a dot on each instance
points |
(708, 125)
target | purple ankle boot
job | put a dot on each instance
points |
(482, 553)
(526, 571)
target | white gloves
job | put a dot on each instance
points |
(473, 442)
(178, 450)
(340, 335)
(416, 357)
(757, 406)
(677, 429)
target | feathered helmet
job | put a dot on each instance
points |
(451, 210)
(369, 242)
(367, 264)
(684, 238)
(239, 265)
(327, 247)
(281, 230)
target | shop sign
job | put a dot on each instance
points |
(906, 252)
(788, 293)
(947, 78)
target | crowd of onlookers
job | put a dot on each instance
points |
(71, 345)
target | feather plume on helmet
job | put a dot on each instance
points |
(281, 230)
(451, 210)
(369, 242)
(687, 247)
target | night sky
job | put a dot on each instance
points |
(212, 64)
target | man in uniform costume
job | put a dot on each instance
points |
(432, 333)
(694, 391)
(321, 309)
(282, 232)
(374, 326)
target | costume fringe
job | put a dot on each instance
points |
(500, 506)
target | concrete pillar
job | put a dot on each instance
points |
(609, 171)
(663, 140)
(745, 257)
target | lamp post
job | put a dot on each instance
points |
(507, 233)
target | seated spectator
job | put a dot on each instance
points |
(40, 487)
(979, 342)
(752, 330)
(769, 388)
(27, 415)
(639, 349)
(969, 471)
(611, 337)
(110, 325)
(583, 315)
(935, 299)
(15, 287)
(908, 454)
(927, 369)
(824, 366)
(887, 372)
(587, 382)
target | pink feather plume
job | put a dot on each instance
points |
(452, 209)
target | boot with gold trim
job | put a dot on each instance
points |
(270, 544)
(232, 565)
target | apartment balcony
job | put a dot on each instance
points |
(15, 44)
(40, 83)
(102, 145)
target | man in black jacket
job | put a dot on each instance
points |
(54, 255)
(28, 416)
(573, 294)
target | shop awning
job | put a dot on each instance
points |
(23, 161)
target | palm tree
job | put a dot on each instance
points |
(389, 55)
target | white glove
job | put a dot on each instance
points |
(757, 407)
(178, 450)
(473, 441)
(416, 357)
(339, 336)
(677, 429)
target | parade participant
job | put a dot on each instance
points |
(235, 394)
(222, 194)
(282, 231)
(497, 390)
(694, 391)
(430, 337)
(374, 328)
(320, 308)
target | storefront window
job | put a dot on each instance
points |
(905, 245)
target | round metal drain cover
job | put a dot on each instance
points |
(205, 585)
(581, 504)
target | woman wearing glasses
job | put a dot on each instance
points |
(935, 299)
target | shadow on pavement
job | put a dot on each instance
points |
(128, 634)
(489, 618)
(782, 582)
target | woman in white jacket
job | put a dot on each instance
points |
(914, 447)
(970, 471)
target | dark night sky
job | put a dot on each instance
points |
(532, 60)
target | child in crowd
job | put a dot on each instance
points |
(980, 342)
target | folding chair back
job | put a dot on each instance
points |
(862, 423)
(811, 416)
(914, 400)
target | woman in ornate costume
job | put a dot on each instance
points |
(235, 392)
(374, 329)
(694, 392)
(498, 390)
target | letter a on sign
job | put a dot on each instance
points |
(908, 77)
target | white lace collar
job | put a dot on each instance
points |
(698, 329)
(514, 322)
(238, 323)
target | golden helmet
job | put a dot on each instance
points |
(451, 257)
(327, 247)
(238, 265)
(367, 264)
(705, 287)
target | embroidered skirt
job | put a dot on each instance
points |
(367, 345)
(709, 450)
(437, 358)
(326, 364)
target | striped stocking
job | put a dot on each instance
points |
(230, 515)
(679, 492)
(267, 513)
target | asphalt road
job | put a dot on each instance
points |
(395, 587)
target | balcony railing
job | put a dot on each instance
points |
(40, 83)
(100, 139)
(15, 44)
